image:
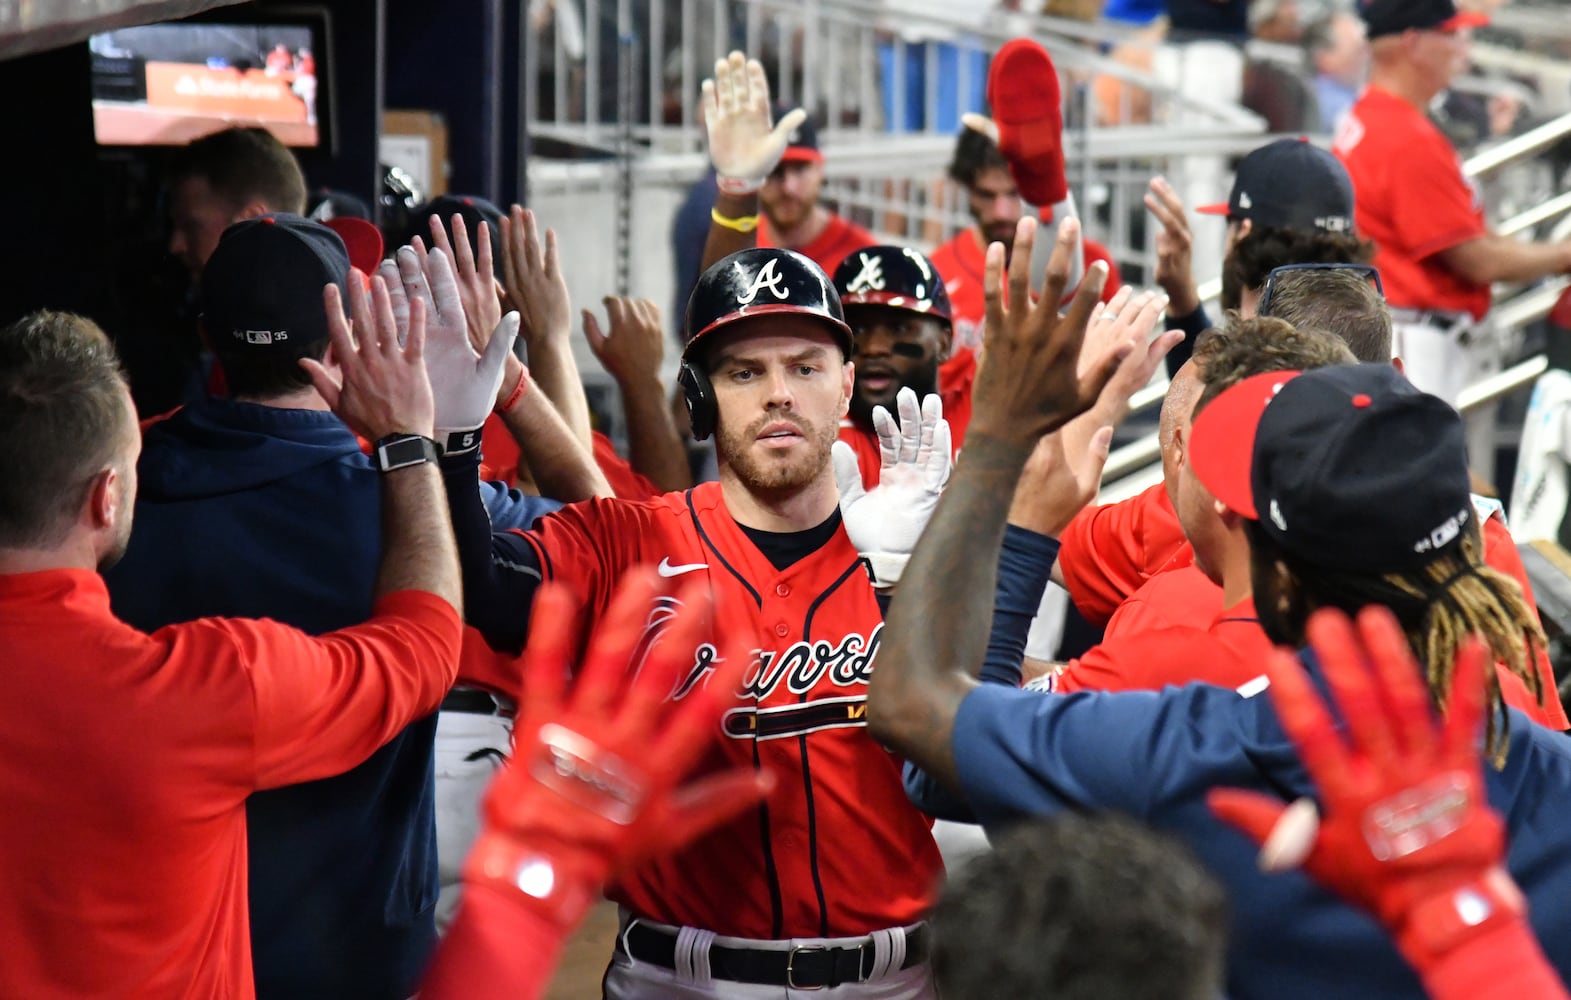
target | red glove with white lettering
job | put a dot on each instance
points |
(592, 787)
(1407, 832)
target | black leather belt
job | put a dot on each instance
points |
(807, 967)
(471, 700)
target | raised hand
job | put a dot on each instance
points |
(465, 382)
(476, 279)
(384, 388)
(1058, 482)
(635, 346)
(593, 787)
(1031, 384)
(535, 284)
(1174, 247)
(885, 522)
(744, 145)
(1404, 829)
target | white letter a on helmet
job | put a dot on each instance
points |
(768, 278)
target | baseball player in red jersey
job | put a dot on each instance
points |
(825, 884)
(898, 312)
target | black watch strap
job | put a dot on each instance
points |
(400, 451)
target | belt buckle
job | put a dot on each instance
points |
(791, 982)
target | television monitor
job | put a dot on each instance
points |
(167, 84)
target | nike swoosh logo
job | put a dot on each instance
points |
(666, 569)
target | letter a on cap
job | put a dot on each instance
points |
(767, 277)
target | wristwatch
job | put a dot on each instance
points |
(400, 451)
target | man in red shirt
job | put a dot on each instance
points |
(1436, 254)
(126, 758)
(793, 217)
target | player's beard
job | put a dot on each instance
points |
(923, 383)
(762, 472)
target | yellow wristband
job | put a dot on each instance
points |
(745, 224)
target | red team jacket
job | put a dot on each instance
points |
(836, 850)
(125, 764)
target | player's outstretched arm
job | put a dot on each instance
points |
(632, 352)
(537, 288)
(1029, 387)
(1406, 832)
(745, 145)
(592, 790)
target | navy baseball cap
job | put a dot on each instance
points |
(263, 284)
(1392, 17)
(1290, 184)
(1348, 467)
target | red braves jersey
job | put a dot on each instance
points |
(836, 850)
(1413, 201)
(960, 263)
(956, 394)
(838, 239)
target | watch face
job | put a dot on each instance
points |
(403, 451)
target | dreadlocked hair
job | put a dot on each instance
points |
(1439, 605)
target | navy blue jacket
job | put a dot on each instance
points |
(252, 511)
(1153, 755)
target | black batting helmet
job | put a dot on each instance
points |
(756, 282)
(898, 277)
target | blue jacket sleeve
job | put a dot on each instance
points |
(500, 569)
(1023, 753)
(934, 799)
(1193, 326)
(1024, 565)
(509, 508)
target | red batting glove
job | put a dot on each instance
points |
(1407, 832)
(592, 787)
(1022, 90)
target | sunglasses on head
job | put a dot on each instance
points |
(1369, 273)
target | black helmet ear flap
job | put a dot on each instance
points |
(699, 394)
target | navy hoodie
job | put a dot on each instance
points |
(258, 512)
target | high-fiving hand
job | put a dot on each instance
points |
(465, 382)
(884, 523)
(1404, 829)
(592, 789)
(384, 388)
(744, 144)
(1032, 382)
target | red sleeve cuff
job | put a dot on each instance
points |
(1505, 963)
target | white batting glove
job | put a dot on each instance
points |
(743, 146)
(885, 522)
(463, 382)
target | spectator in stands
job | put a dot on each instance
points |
(793, 215)
(220, 179)
(128, 758)
(1081, 908)
(1339, 55)
(1284, 185)
(1276, 81)
(264, 505)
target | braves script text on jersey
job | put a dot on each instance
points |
(836, 850)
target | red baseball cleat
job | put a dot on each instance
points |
(1022, 89)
